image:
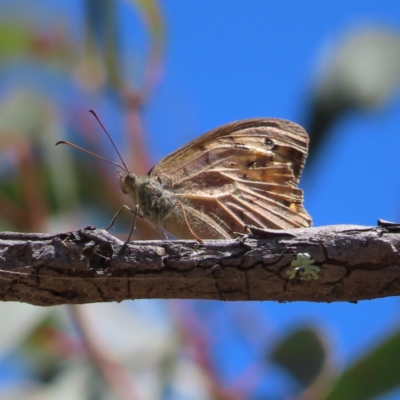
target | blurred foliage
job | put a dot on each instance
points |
(302, 354)
(360, 73)
(82, 352)
(378, 372)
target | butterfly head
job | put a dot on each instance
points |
(128, 181)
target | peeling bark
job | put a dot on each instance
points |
(90, 265)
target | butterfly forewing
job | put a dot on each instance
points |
(245, 172)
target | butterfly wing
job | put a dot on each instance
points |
(244, 172)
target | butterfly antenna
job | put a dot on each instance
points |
(93, 154)
(109, 136)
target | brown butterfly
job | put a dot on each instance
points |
(242, 173)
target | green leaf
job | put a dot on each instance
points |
(302, 354)
(15, 40)
(375, 374)
(21, 319)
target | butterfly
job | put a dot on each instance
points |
(242, 173)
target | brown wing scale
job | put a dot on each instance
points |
(242, 173)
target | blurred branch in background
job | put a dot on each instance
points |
(102, 43)
(117, 377)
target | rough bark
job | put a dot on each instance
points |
(90, 265)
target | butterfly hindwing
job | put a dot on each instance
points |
(245, 172)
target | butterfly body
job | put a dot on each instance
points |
(245, 172)
(154, 198)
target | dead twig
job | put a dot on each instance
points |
(323, 264)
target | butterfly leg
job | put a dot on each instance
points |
(135, 213)
(199, 239)
(116, 216)
(133, 227)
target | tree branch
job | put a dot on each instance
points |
(90, 265)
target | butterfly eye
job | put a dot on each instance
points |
(130, 179)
